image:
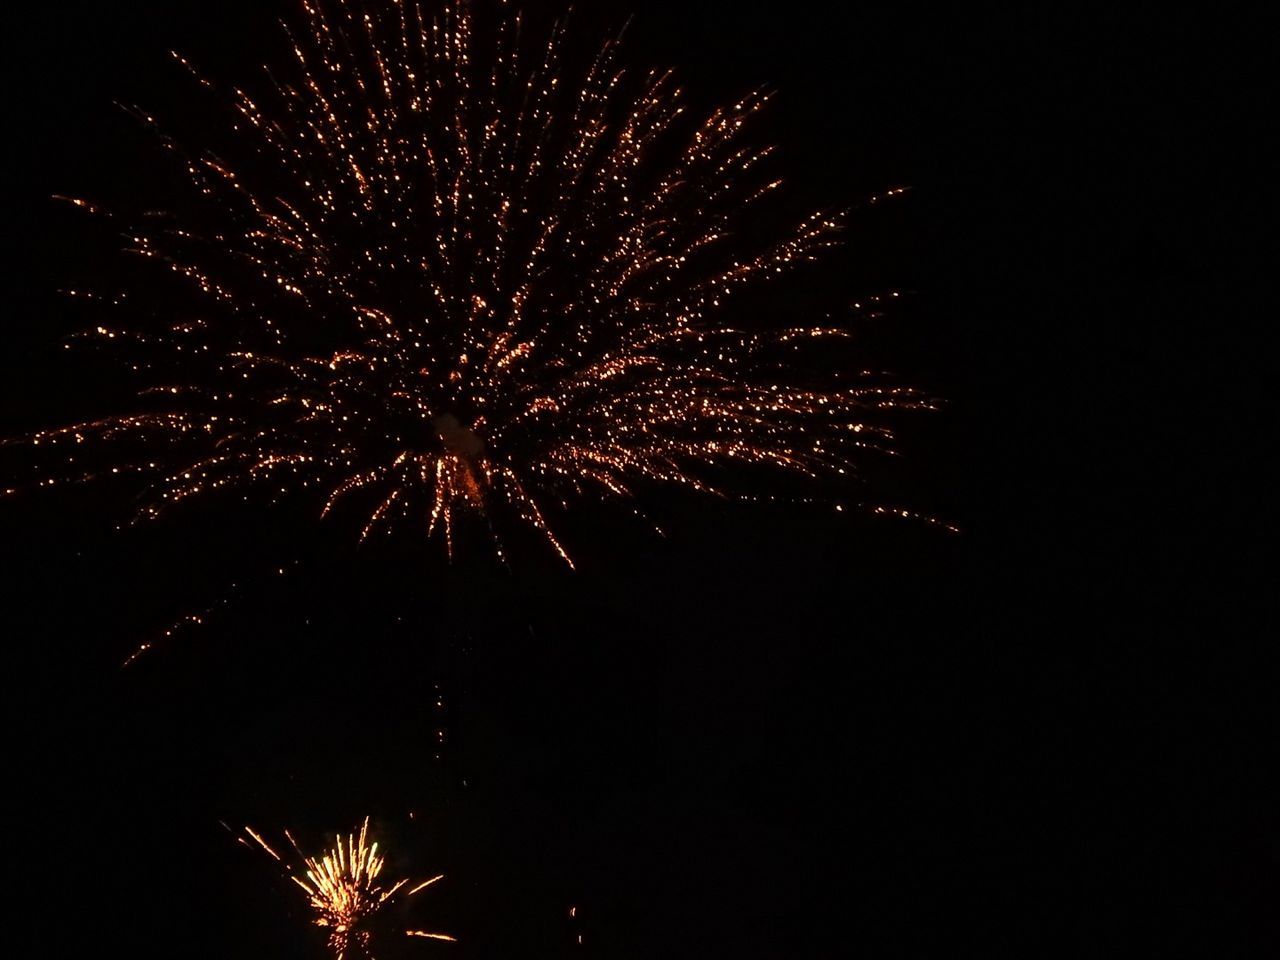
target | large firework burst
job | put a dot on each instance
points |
(344, 889)
(441, 279)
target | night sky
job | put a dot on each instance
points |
(778, 732)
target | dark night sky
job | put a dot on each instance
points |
(776, 733)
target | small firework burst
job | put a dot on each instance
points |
(344, 889)
(450, 275)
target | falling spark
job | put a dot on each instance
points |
(344, 889)
(463, 285)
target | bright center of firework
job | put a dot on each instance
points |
(456, 437)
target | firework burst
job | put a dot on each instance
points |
(344, 889)
(443, 280)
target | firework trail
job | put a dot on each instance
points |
(452, 276)
(343, 889)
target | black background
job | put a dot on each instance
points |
(775, 733)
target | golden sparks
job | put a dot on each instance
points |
(461, 282)
(344, 889)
